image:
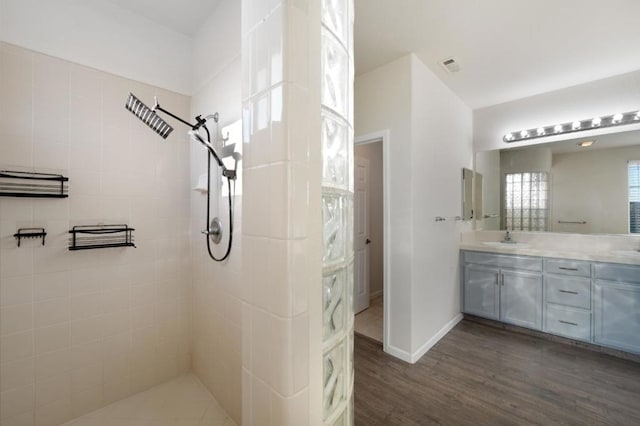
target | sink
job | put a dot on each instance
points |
(626, 252)
(505, 245)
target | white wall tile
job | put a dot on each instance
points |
(16, 374)
(53, 388)
(15, 290)
(16, 401)
(16, 318)
(86, 354)
(52, 311)
(86, 377)
(14, 347)
(50, 285)
(24, 419)
(86, 330)
(83, 305)
(54, 414)
(17, 261)
(52, 363)
(53, 338)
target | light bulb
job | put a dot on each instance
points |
(575, 125)
(617, 118)
(637, 117)
(557, 128)
(524, 133)
(509, 136)
(596, 122)
(541, 131)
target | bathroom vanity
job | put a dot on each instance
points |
(587, 300)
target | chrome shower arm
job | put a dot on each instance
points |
(200, 121)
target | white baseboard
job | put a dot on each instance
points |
(398, 353)
(414, 357)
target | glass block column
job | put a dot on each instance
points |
(337, 210)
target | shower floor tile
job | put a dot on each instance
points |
(179, 402)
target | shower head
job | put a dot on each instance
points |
(148, 116)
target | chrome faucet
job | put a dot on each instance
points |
(507, 238)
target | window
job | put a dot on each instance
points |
(526, 201)
(634, 197)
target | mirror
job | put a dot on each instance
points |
(467, 194)
(563, 186)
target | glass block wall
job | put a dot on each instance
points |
(337, 210)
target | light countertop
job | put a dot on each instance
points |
(613, 249)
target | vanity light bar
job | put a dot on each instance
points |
(619, 119)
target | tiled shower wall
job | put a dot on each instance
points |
(281, 214)
(297, 319)
(81, 329)
(217, 317)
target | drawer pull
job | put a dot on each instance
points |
(564, 268)
(567, 322)
(568, 291)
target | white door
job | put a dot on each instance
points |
(361, 237)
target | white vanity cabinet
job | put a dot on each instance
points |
(617, 306)
(504, 288)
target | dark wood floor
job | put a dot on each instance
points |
(481, 375)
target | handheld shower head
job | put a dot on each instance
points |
(196, 137)
(148, 116)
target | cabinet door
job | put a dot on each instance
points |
(521, 299)
(481, 291)
(617, 315)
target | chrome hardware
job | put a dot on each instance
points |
(567, 322)
(568, 292)
(215, 231)
(564, 268)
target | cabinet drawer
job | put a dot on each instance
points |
(616, 272)
(568, 322)
(577, 268)
(524, 263)
(570, 291)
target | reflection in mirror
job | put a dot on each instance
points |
(566, 186)
(467, 194)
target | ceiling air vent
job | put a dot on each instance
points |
(450, 65)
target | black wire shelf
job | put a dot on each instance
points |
(30, 233)
(33, 185)
(88, 237)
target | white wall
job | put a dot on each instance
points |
(382, 101)
(373, 152)
(82, 329)
(430, 143)
(216, 46)
(616, 94)
(101, 35)
(217, 309)
(441, 145)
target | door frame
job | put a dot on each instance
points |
(383, 136)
